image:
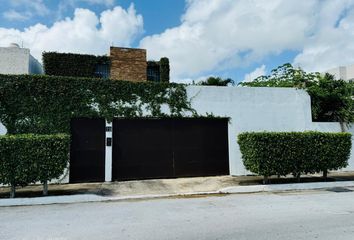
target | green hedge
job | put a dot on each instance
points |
(45, 104)
(26, 159)
(283, 153)
(70, 64)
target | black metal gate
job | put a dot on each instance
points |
(87, 152)
(167, 148)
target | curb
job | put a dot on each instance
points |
(85, 198)
(286, 187)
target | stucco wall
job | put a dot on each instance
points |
(14, 60)
(257, 109)
(252, 109)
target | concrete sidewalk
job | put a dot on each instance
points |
(161, 188)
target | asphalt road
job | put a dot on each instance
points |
(306, 215)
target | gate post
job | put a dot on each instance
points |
(108, 155)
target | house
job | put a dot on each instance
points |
(17, 60)
(121, 64)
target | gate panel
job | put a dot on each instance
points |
(142, 149)
(87, 152)
(166, 148)
(200, 147)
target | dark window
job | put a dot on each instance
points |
(102, 71)
(153, 74)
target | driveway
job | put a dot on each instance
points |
(298, 215)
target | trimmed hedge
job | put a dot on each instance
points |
(45, 104)
(283, 153)
(71, 64)
(26, 159)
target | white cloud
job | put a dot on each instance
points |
(84, 33)
(333, 44)
(216, 35)
(64, 5)
(13, 15)
(219, 35)
(107, 3)
(22, 10)
(36, 7)
(260, 71)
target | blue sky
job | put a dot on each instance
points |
(229, 38)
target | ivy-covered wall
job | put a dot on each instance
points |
(45, 104)
(83, 65)
(74, 65)
(158, 71)
(164, 69)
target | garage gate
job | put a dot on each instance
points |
(150, 148)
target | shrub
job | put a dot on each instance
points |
(283, 153)
(26, 159)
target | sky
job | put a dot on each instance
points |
(238, 39)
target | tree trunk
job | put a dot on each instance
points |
(298, 176)
(13, 191)
(45, 188)
(342, 126)
(325, 173)
(265, 180)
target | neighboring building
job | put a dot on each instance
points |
(343, 72)
(16, 60)
(122, 64)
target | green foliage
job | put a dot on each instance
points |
(26, 159)
(45, 104)
(283, 153)
(164, 69)
(216, 81)
(331, 100)
(70, 64)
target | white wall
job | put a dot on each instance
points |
(257, 109)
(252, 109)
(14, 60)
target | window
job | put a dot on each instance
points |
(102, 71)
(153, 74)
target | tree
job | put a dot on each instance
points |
(216, 81)
(331, 100)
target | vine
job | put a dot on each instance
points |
(71, 64)
(46, 104)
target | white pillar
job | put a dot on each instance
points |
(108, 158)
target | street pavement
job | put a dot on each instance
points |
(290, 215)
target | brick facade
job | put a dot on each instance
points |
(128, 64)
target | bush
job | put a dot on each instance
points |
(283, 153)
(26, 159)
